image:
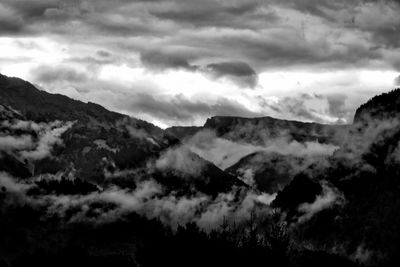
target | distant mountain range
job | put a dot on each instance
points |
(258, 129)
(335, 187)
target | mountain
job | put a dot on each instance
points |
(97, 144)
(347, 200)
(266, 152)
(183, 132)
(384, 106)
(258, 130)
(42, 106)
(361, 183)
(270, 172)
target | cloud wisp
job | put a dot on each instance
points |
(36, 141)
(225, 153)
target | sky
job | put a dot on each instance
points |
(179, 62)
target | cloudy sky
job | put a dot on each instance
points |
(178, 62)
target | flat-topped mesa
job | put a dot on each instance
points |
(221, 121)
(255, 129)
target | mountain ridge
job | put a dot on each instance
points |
(100, 141)
(258, 130)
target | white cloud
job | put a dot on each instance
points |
(224, 153)
(327, 199)
(49, 137)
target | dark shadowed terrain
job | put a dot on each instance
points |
(81, 185)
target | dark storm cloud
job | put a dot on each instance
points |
(10, 23)
(318, 8)
(37, 17)
(161, 60)
(48, 75)
(251, 31)
(240, 71)
(388, 36)
(216, 14)
(196, 16)
(287, 48)
(31, 9)
(328, 10)
(232, 68)
(376, 21)
(122, 26)
(179, 108)
(380, 19)
(103, 53)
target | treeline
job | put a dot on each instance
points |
(138, 241)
